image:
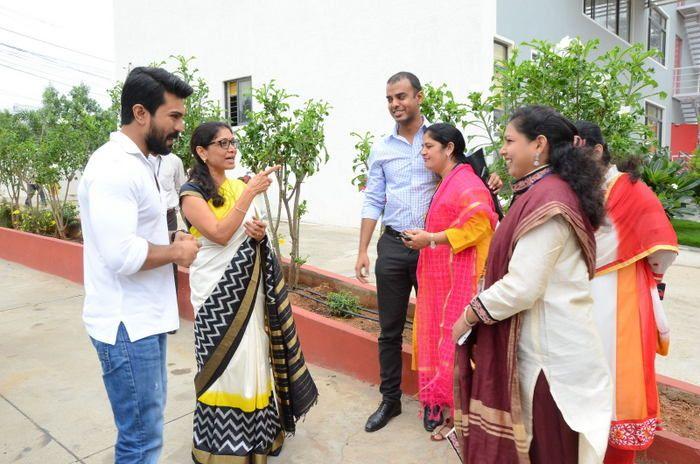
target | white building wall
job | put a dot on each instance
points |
(342, 52)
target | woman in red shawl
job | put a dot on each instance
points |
(636, 245)
(454, 246)
(533, 385)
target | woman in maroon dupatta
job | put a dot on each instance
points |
(454, 246)
(532, 381)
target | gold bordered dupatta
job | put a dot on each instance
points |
(254, 265)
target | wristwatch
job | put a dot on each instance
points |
(174, 233)
(432, 241)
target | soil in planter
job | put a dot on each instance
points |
(357, 322)
(680, 417)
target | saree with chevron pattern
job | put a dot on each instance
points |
(252, 384)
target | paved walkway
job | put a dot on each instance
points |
(53, 407)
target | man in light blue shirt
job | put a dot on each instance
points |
(400, 188)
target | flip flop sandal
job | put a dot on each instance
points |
(441, 432)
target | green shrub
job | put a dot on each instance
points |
(343, 304)
(71, 219)
(37, 221)
(672, 183)
(5, 214)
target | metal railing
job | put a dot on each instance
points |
(686, 81)
(667, 2)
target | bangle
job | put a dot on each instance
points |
(466, 321)
(240, 210)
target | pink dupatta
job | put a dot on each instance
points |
(447, 282)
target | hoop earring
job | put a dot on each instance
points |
(537, 159)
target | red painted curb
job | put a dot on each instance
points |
(669, 448)
(46, 254)
(678, 384)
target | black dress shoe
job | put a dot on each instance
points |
(386, 410)
(430, 424)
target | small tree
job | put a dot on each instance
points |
(608, 89)
(71, 128)
(200, 108)
(439, 105)
(262, 142)
(308, 152)
(17, 154)
(360, 165)
(293, 139)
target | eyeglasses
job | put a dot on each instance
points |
(225, 143)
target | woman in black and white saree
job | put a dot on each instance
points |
(252, 384)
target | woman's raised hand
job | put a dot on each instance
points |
(261, 181)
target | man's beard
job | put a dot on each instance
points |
(157, 141)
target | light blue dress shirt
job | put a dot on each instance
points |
(398, 183)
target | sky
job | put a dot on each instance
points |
(59, 43)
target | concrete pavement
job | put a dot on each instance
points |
(54, 409)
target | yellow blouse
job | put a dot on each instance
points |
(231, 190)
(476, 232)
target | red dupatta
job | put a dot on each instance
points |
(446, 281)
(640, 225)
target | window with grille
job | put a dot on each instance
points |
(239, 99)
(657, 32)
(613, 15)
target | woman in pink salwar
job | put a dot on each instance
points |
(454, 246)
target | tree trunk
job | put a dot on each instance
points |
(273, 228)
(293, 238)
(296, 261)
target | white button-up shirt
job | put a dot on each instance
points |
(171, 175)
(122, 211)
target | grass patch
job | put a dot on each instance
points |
(688, 232)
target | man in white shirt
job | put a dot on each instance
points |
(171, 176)
(130, 301)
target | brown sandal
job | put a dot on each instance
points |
(441, 432)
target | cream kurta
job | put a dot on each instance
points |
(547, 280)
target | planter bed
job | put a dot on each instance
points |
(316, 304)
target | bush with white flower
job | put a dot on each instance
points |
(673, 183)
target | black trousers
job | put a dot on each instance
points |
(396, 276)
(171, 216)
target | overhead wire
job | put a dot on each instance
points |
(55, 45)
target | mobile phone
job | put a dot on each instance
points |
(404, 236)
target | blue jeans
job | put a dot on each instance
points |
(135, 378)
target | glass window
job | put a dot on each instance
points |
(654, 117)
(657, 32)
(613, 15)
(500, 51)
(239, 99)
